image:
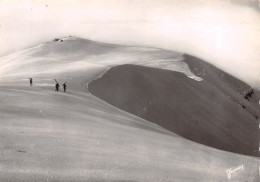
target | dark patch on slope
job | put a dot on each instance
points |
(235, 89)
(195, 110)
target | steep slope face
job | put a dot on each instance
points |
(235, 89)
(195, 110)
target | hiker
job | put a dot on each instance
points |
(31, 81)
(64, 86)
(57, 87)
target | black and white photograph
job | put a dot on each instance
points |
(129, 90)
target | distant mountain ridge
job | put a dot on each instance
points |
(71, 53)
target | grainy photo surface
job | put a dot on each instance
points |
(129, 90)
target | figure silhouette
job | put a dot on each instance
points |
(31, 81)
(64, 87)
(57, 87)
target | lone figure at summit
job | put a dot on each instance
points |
(64, 87)
(31, 81)
(57, 86)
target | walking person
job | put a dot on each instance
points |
(57, 86)
(31, 81)
(64, 87)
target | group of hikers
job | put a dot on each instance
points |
(57, 85)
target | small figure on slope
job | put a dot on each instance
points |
(64, 86)
(57, 86)
(31, 81)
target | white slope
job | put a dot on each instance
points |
(74, 136)
(79, 54)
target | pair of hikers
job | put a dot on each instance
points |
(57, 86)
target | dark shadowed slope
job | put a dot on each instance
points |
(235, 89)
(195, 110)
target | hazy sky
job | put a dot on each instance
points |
(223, 32)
